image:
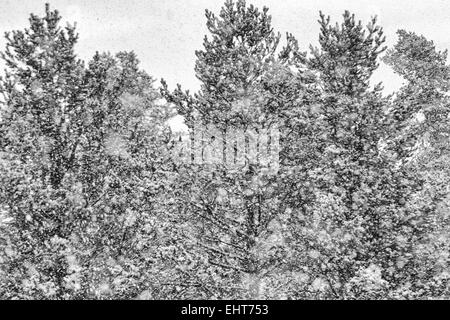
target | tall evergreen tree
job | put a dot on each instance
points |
(241, 70)
(40, 127)
(83, 153)
(420, 132)
(357, 218)
(421, 106)
(241, 53)
(348, 54)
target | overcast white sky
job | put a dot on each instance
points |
(165, 34)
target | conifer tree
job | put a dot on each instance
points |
(348, 54)
(40, 128)
(82, 156)
(242, 71)
(241, 52)
(420, 132)
(421, 106)
(357, 217)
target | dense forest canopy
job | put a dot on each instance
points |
(95, 204)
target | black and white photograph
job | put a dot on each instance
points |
(224, 150)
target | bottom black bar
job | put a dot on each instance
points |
(236, 309)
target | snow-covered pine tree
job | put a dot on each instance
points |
(357, 218)
(421, 134)
(40, 130)
(241, 69)
(83, 155)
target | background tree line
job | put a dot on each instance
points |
(93, 205)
